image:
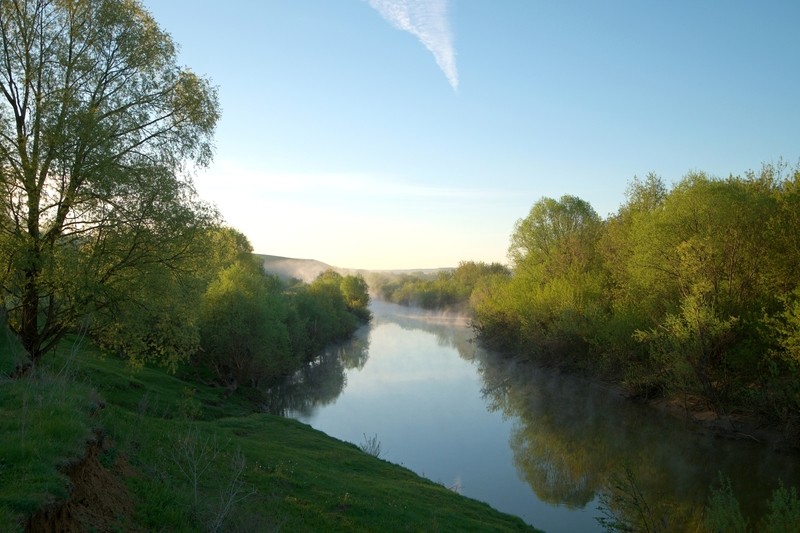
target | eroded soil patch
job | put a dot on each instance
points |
(98, 501)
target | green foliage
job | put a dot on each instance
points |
(222, 247)
(98, 125)
(686, 350)
(783, 515)
(189, 407)
(495, 316)
(243, 316)
(445, 290)
(709, 245)
(322, 314)
(722, 512)
(786, 325)
(151, 320)
(253, 329)
(556, 237)
(555, 293)
(356, 296)
(689, 291)
(12, 354)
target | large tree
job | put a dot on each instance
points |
(557, 235)
(243, 325)
(553, 294)
(98, 127)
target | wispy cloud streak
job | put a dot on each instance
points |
(427, 20)
(350, 184)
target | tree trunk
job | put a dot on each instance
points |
(29, 328)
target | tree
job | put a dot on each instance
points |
(243, 325)
(554, 227)
(356, 295)
(555, 290)
(619, 238)
(98, 126)
(320, 315)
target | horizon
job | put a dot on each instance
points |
(355, 268)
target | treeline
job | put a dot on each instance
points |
(447, 289)
(211, 306)
(691, 291)
(101, 230)
(247, 326)
(253, 328)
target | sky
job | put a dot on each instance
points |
(389, 134)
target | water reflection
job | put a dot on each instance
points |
(320, 381)
(573, 437)
(451, 330)
(530, 441)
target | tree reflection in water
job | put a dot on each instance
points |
(323, 379)
(574, 440)
(320, 381)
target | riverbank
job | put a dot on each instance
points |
(91, 444)
(729, 426)
(692, 409)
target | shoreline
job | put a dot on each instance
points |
(690, 409)
(730, 426)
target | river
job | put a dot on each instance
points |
(530, 442)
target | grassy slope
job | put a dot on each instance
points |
(291, 477)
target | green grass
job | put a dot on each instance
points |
(252, 472)
(11, 351)
(45, 423)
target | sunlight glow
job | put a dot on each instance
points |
(359, 221)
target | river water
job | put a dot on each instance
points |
(530, 442)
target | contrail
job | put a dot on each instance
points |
(427, 20)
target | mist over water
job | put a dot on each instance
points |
(419, 318)
(528, 441)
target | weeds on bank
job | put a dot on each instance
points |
(233, 492)
(724, 514)
(626, 508)
(193, 454)
(371, 446)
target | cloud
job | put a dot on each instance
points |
(216, 183)
(426, 20)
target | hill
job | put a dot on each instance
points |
(307, 269)
(287, 267)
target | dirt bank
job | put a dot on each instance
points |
(98, 499)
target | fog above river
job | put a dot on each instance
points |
(529, 441)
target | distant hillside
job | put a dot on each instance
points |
(308, 269)
(287, 267)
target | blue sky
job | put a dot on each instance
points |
(414, 133)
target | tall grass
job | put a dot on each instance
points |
(371, 446)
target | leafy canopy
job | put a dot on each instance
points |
(98, 126)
